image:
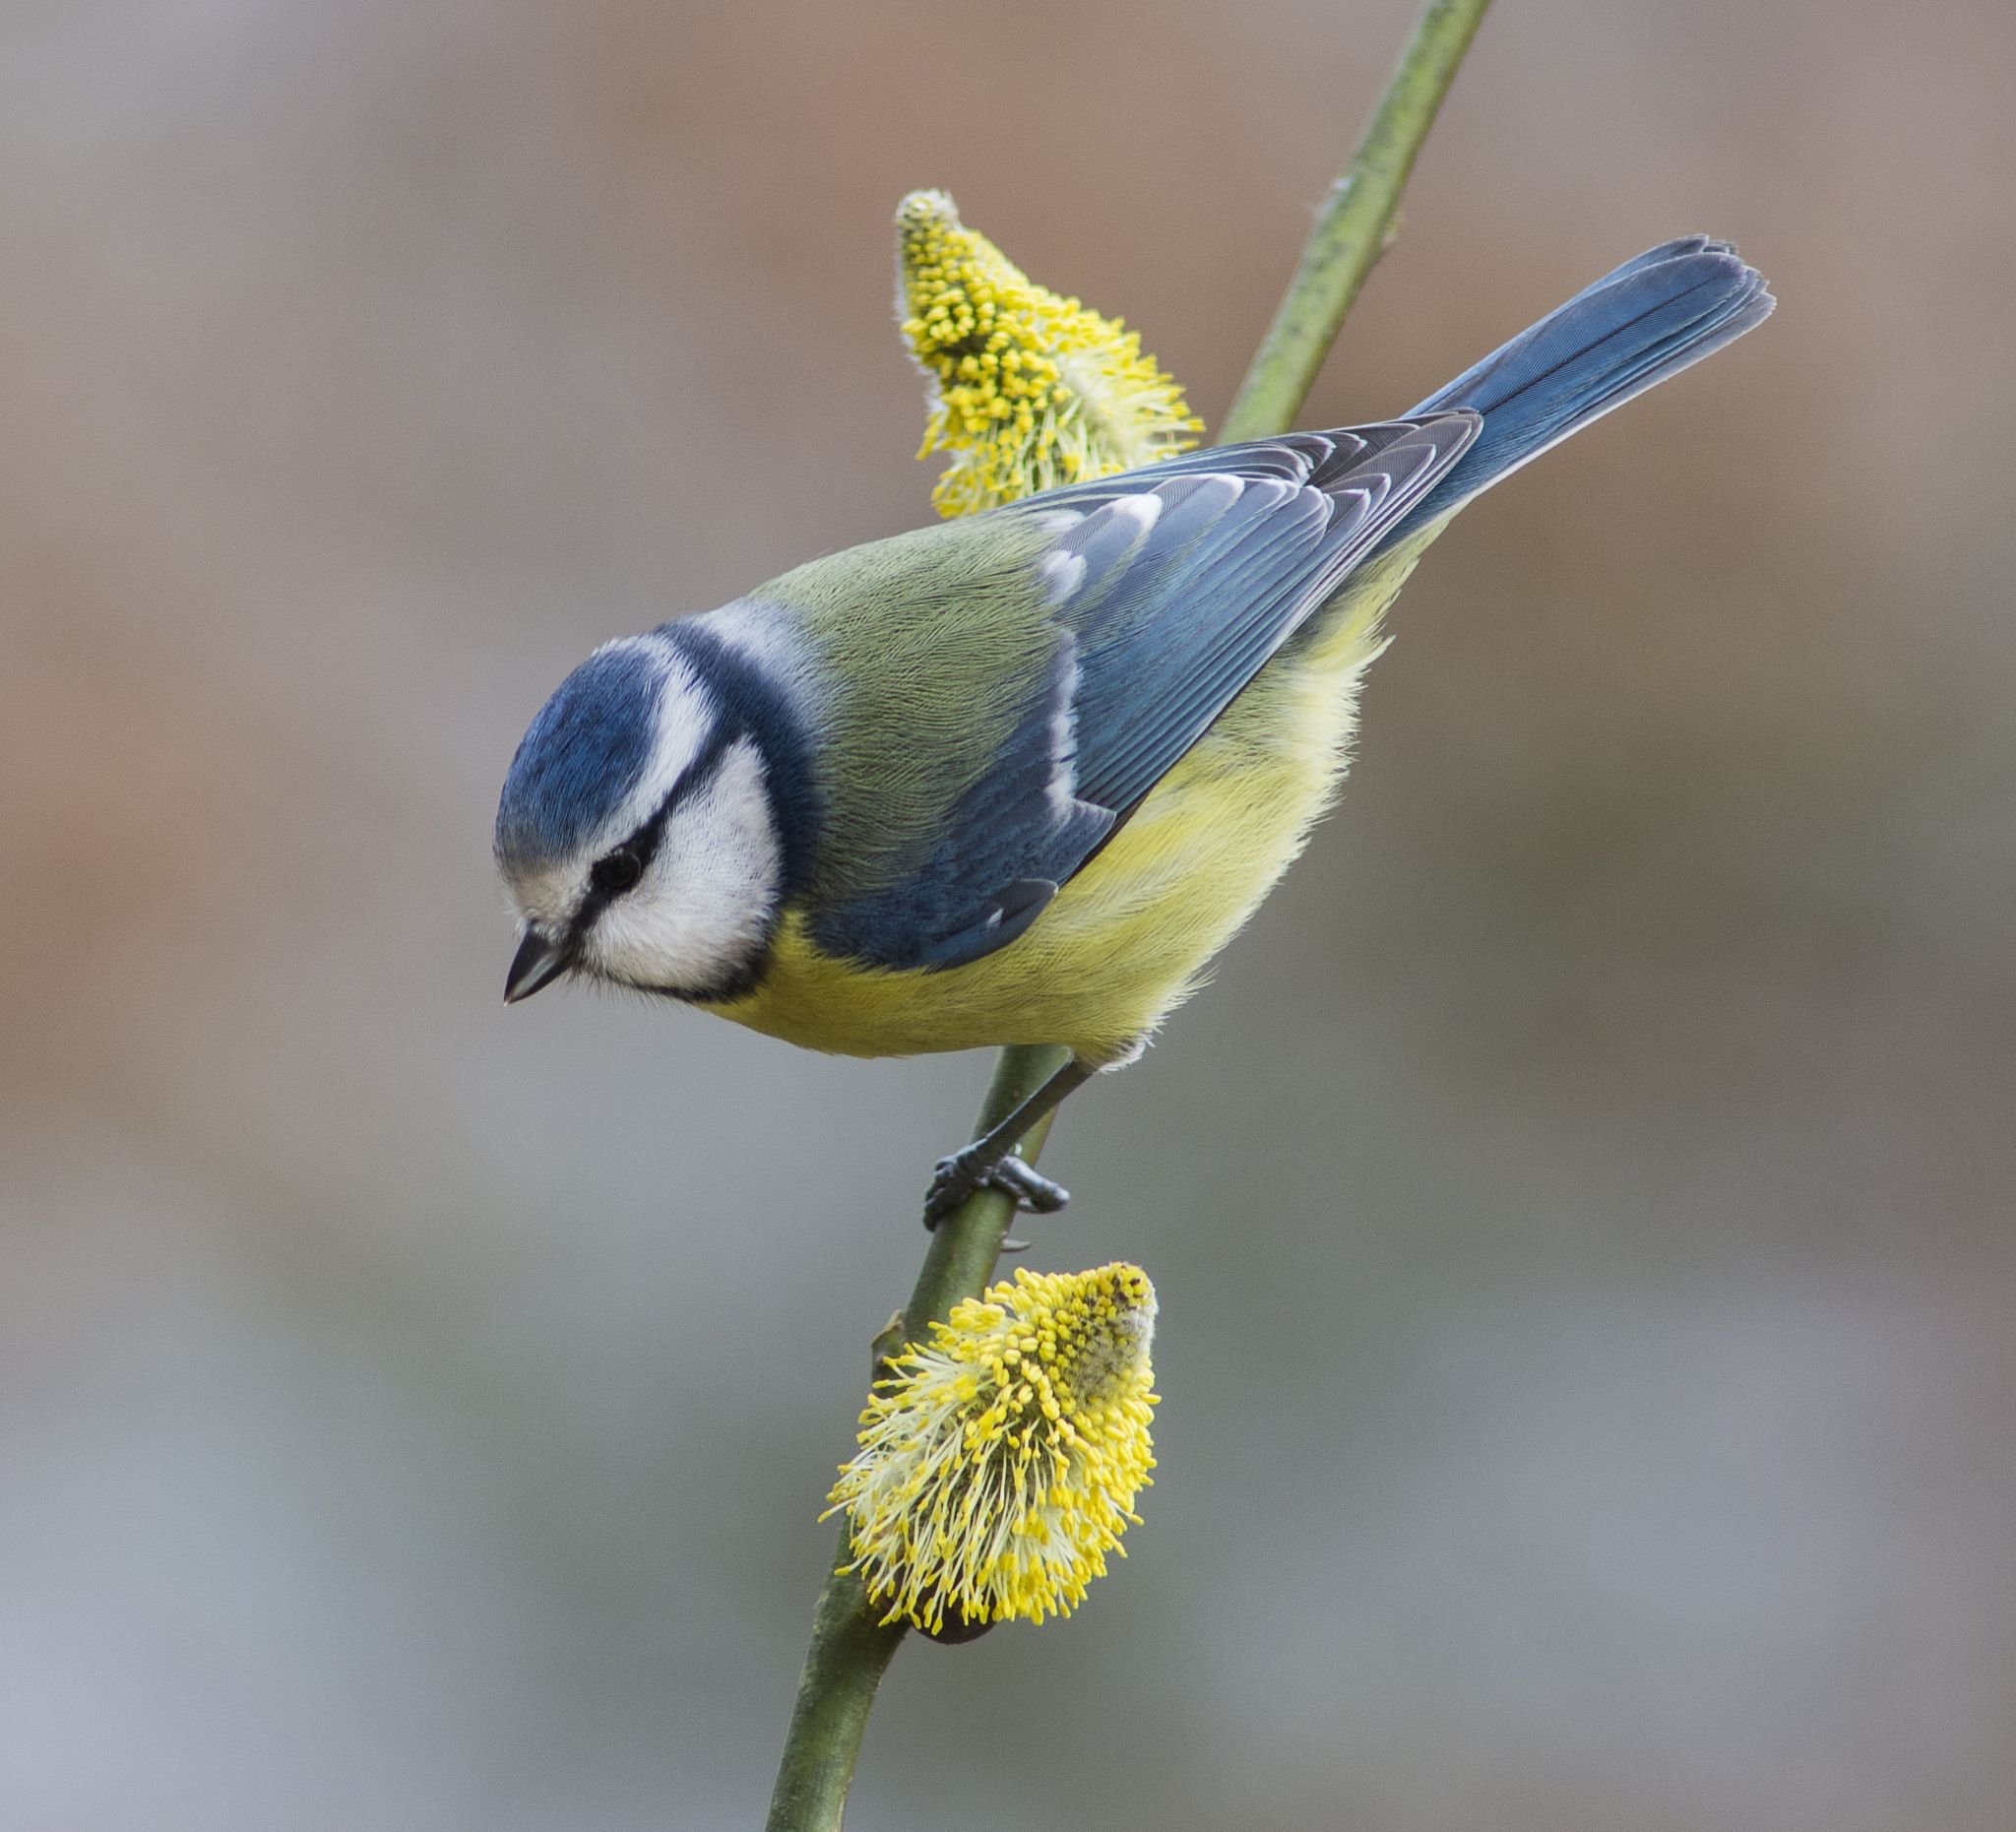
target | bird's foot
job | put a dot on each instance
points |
(967, 1170)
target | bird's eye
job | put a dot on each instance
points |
(616, 872)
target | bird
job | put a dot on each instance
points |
(1016, 779)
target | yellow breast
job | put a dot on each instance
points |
(1129, 937)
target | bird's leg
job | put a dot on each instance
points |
(990, 1162)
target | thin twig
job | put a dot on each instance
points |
(1356, 227)
(850, 1647)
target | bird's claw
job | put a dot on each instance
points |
(958, 1176)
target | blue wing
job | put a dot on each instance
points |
(1169, 589)
(1189, 585)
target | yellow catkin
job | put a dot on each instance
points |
(997, 1467)
(1027, 389)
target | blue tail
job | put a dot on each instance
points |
(1628, 332)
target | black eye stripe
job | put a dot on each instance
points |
(616, 872)
(753, 706)
(642, 845)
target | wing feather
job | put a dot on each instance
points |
(1169, 590)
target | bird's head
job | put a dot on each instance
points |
(642, 832)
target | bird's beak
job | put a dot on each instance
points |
(537, 962)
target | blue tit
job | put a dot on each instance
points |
(1017, 778)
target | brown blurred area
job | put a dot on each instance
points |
(1581, 1207)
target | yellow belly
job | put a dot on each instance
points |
(1129, 937)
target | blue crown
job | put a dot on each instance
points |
(582, 757)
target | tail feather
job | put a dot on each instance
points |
(1650, 318)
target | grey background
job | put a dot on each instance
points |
(1581, 1207)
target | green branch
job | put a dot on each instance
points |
(850, 1647)
(1357, 223)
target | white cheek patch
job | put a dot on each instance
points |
(703, 908)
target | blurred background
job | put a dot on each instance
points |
(1581, 1207)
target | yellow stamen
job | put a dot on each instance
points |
(998, 1466)
(1027, 389)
